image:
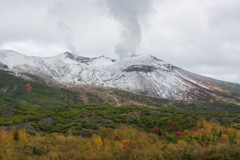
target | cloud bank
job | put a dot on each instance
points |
(200, 36)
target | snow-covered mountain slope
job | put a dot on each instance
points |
(143, 74)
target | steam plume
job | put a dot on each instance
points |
(129, 14)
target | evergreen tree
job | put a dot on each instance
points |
(16, 134)
(220, 133)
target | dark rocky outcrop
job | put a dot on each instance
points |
(139, 68)
(27, 126)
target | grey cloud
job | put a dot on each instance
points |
(26, 20)
(199, 36)
(198, 33)
(63, 25)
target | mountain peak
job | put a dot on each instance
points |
(142, 57)
(140, 74)
(76, 57)
(9, 53)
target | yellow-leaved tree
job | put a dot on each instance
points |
(96, 141)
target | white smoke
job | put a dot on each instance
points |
(129, 14)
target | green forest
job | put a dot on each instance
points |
(108, 132)
(40, 122)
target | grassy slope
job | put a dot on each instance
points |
(40, 95)
(16, 98)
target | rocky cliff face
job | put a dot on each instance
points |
(3, 66)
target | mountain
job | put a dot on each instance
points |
(142, 74)
(46, 103)
(15, 91)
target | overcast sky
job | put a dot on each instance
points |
(201, 36)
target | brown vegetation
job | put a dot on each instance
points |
(28, 87)
(5, 89)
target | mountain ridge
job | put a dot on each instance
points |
(143, 74)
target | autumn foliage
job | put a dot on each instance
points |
(178, 133)
(28, 87)
(5, 89)
(210, 141)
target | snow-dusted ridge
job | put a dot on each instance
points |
(142, 74)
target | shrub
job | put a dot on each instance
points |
(87, 133)
(178, 134)
(89, 126)
(75, 132)
(111, 125)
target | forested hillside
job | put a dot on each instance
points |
(205, 141)
(40, 122)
